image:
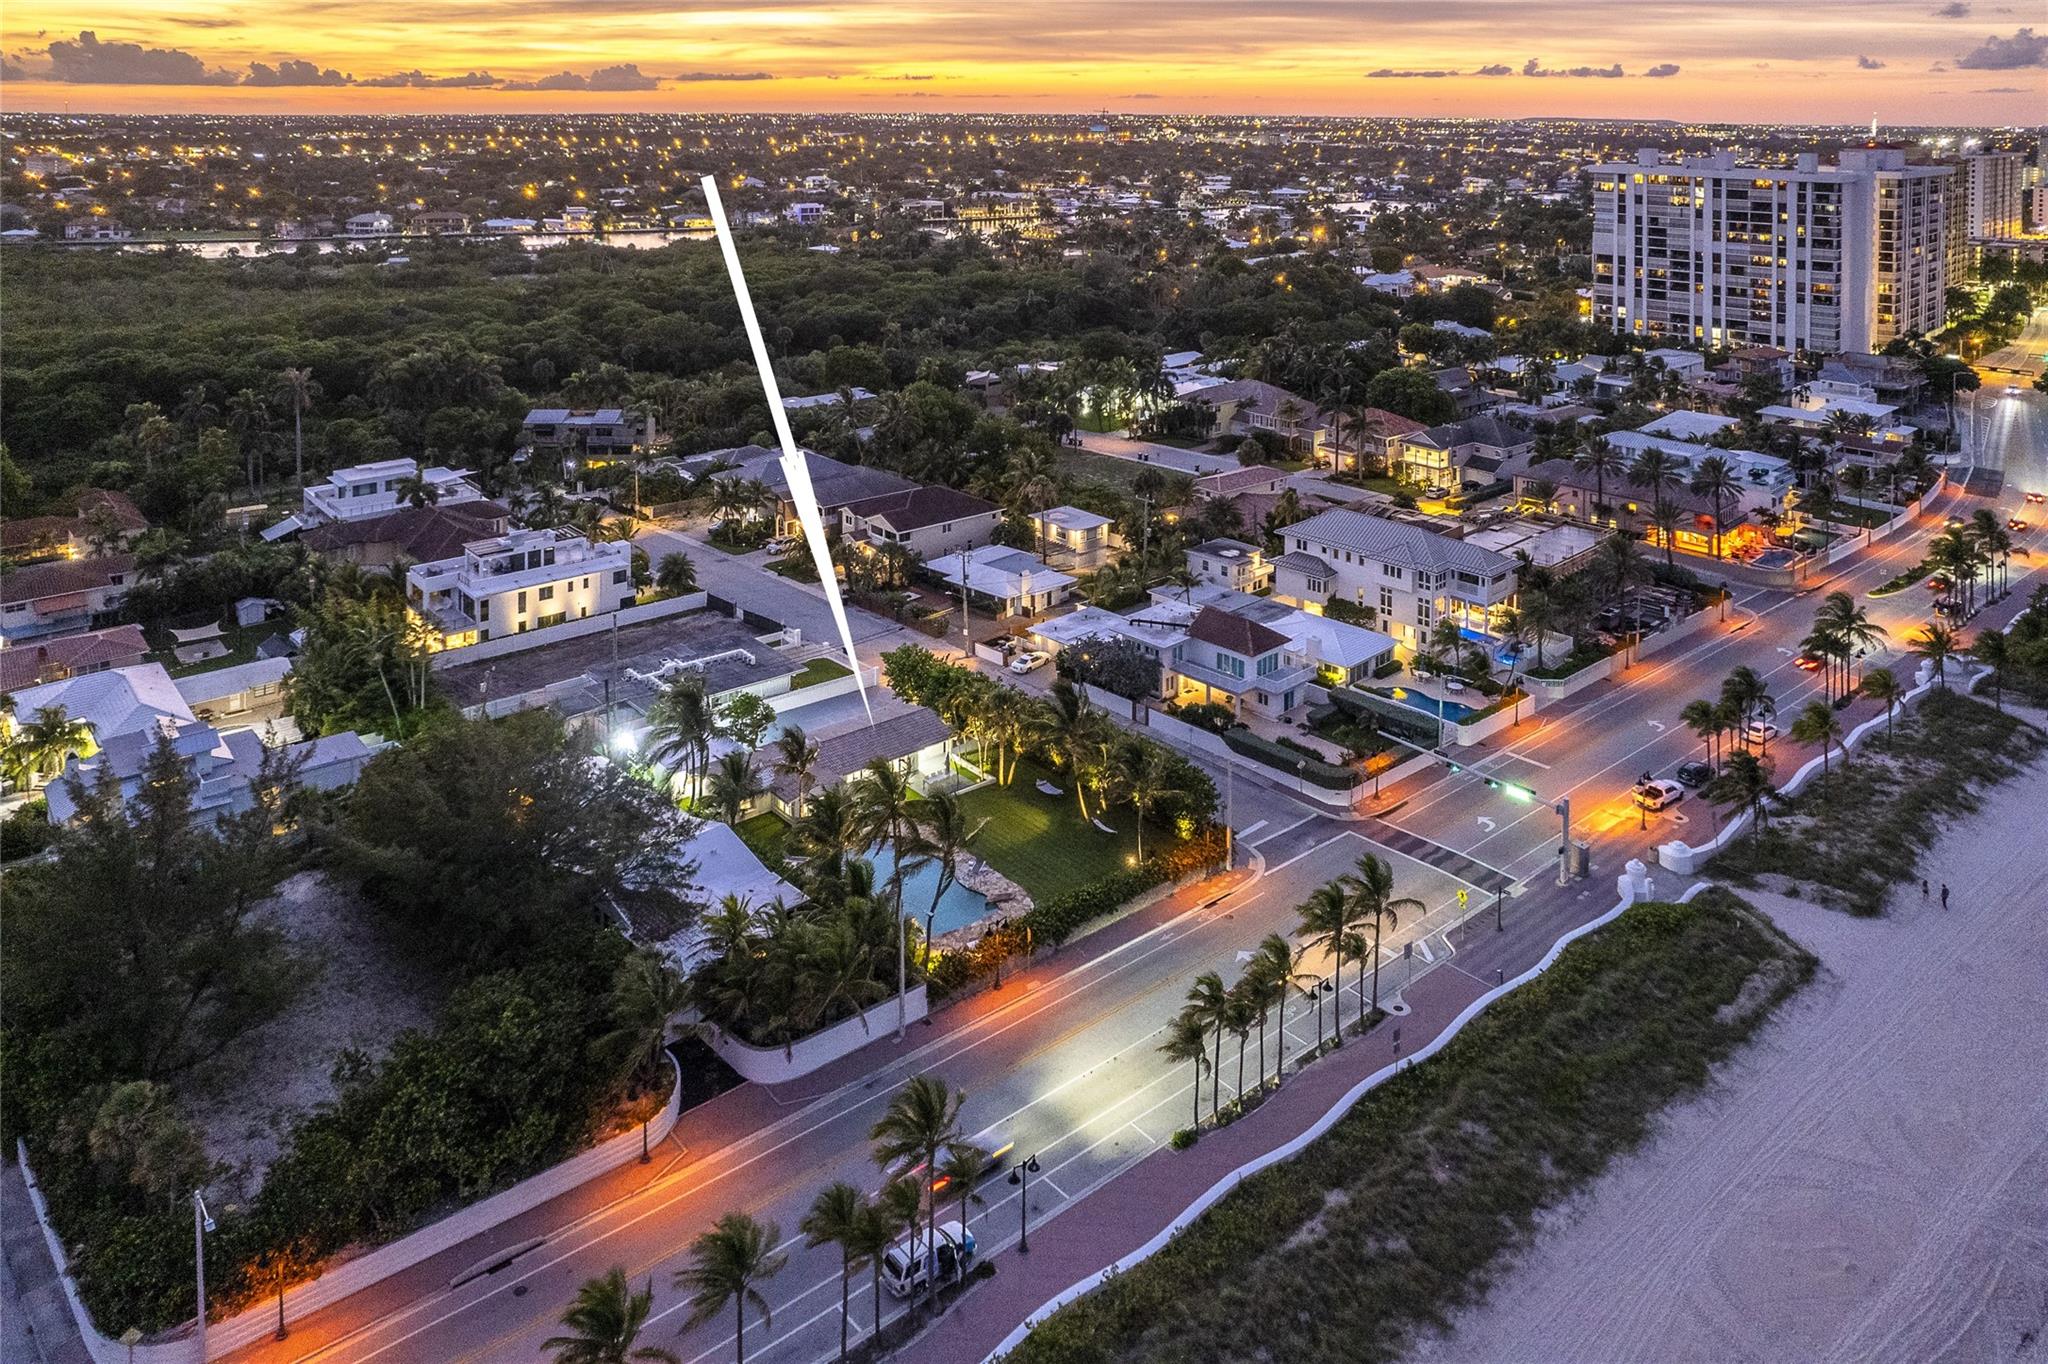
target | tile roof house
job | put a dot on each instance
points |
(1247, 405)
(62, 596)
(836, 484)
(99, 517)
(52, 660)
(415, 534)
(926, 521)
(1234, 661)
(912, 739)
(224, 765)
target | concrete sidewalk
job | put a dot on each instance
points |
(35, 1318)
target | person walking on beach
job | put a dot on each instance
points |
(1923, 887)
(1944, 895)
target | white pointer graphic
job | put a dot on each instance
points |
(793, 467)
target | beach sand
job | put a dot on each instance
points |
(1867, 1181)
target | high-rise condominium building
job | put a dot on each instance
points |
(1840, 257)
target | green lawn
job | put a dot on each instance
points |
(1042, 843)
(766, 834)
(240, 644)
(819, 670)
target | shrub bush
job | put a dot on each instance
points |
(1280, 756)
(26, 831)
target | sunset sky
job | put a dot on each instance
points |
(1823, 60)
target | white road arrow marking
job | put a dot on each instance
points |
(1487, 824)
(1657, 725)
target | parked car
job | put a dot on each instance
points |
(1029, 661)
(1759, 732)
(1810, 663)
(781, 545)
(1658, 793)
(1693, 774)
(907, 1267)
(1937, 583)
(1947, 606)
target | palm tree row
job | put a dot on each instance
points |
(1842, 632)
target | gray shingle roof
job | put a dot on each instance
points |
(1395, 542)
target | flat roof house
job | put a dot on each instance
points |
(599, 433)
(363, 491)
(1230, 563)
(524, 580)
(1075, 539)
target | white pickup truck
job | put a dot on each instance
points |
(909, 1266)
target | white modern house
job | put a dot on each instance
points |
(362, 491)
(1230, 563)
(370, 225)
(1410, 575)
(1007, 581)
(1076, 539)
(524, 580)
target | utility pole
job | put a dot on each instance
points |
(1564, 845)
(966, 634)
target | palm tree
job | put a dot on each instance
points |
(946, 837)
(1077, 732)
(835, 966)
(796, 757)
(1602, 461)
(881, 1222)
(839, 1216)
(1187, 1040)
(1659, 472)
(1937, 644)
(298, 392)
(1993, 650)
(726, 1264)
(647, 994)
(734, 782)
(1273, 964)
(1882, 686)
(923, 1118)
(680, 725)
(1714, 479)
(1751, 696)
(1704, 720)
(1327, 919)
(1371, 894)
(966, 1165)
(829, 829)
(675, 575)
(1849, 625)
(1240, 1012)
(1148, 780)
(41, 747)
(1207, 1007)
(1817, 725)
(1618, 562)
(1744, 783)
(605, 1321)
(885, 808)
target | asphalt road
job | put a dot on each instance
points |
(1068, 1068)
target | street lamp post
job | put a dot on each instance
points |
(1564, 844)
(202, 1223)
(1498, 896)
(1020, 1175)
(902, 971)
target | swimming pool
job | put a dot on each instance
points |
(1429, 705)
(958, 907)
(1774, 558)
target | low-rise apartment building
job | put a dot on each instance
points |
(524, 580)
(1410, 575)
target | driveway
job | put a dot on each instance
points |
(743, 580)
(1165, 456)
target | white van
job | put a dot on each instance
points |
(908, 1266)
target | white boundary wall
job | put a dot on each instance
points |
(1685, 859)
(353, 1276)
(774, 1065)
(570, 629)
